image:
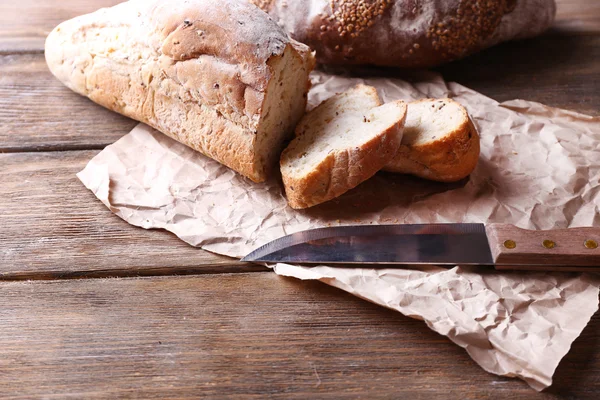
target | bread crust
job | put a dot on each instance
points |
(197, 72)
(345, 169)
(448, 159)
(407, 33)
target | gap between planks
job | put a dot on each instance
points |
(174, 336)
(557, 72)
(150, 272)
(22, 52)
(52, 148)
(54, 227)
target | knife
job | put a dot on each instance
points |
(497, 245)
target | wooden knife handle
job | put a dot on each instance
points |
(575, 249)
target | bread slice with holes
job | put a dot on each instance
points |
(340, 144)
(440, 142)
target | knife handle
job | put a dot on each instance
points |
(574, 249)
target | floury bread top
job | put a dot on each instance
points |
(223, 79)
(407, 33)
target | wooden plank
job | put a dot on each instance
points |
(557, 71)
(52, 226)
(577, 17)
(25, 24)
(241, 335)
(38, 113)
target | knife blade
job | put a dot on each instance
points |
(497, 245)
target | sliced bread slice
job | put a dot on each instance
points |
(340, 144)
(440, 142)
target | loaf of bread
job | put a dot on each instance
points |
(407, 33)
(440, 142)
(219, 76)
(340, 144)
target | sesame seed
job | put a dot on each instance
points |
(474, 20)
(352, 17)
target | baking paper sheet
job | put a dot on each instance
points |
(539, 169)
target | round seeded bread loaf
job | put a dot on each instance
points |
(407, 33)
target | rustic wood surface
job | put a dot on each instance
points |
(215, 333)
(577, 17)
(240, 334)
(560, 71)
(24, 24)
(52, 226)
(38, 113)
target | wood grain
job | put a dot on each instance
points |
(577, 16)
(53, 227)
(238, 336)
(24, 24)
(241, 335)
(564, 249)
(39, 113)
(560, 71)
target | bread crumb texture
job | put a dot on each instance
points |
(340, 144)
(440, 142)
(216, 78)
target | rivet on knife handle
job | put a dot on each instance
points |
(564, 249)
(591, 244)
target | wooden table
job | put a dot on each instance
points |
(156, 318)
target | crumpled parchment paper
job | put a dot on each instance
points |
(539, 169)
